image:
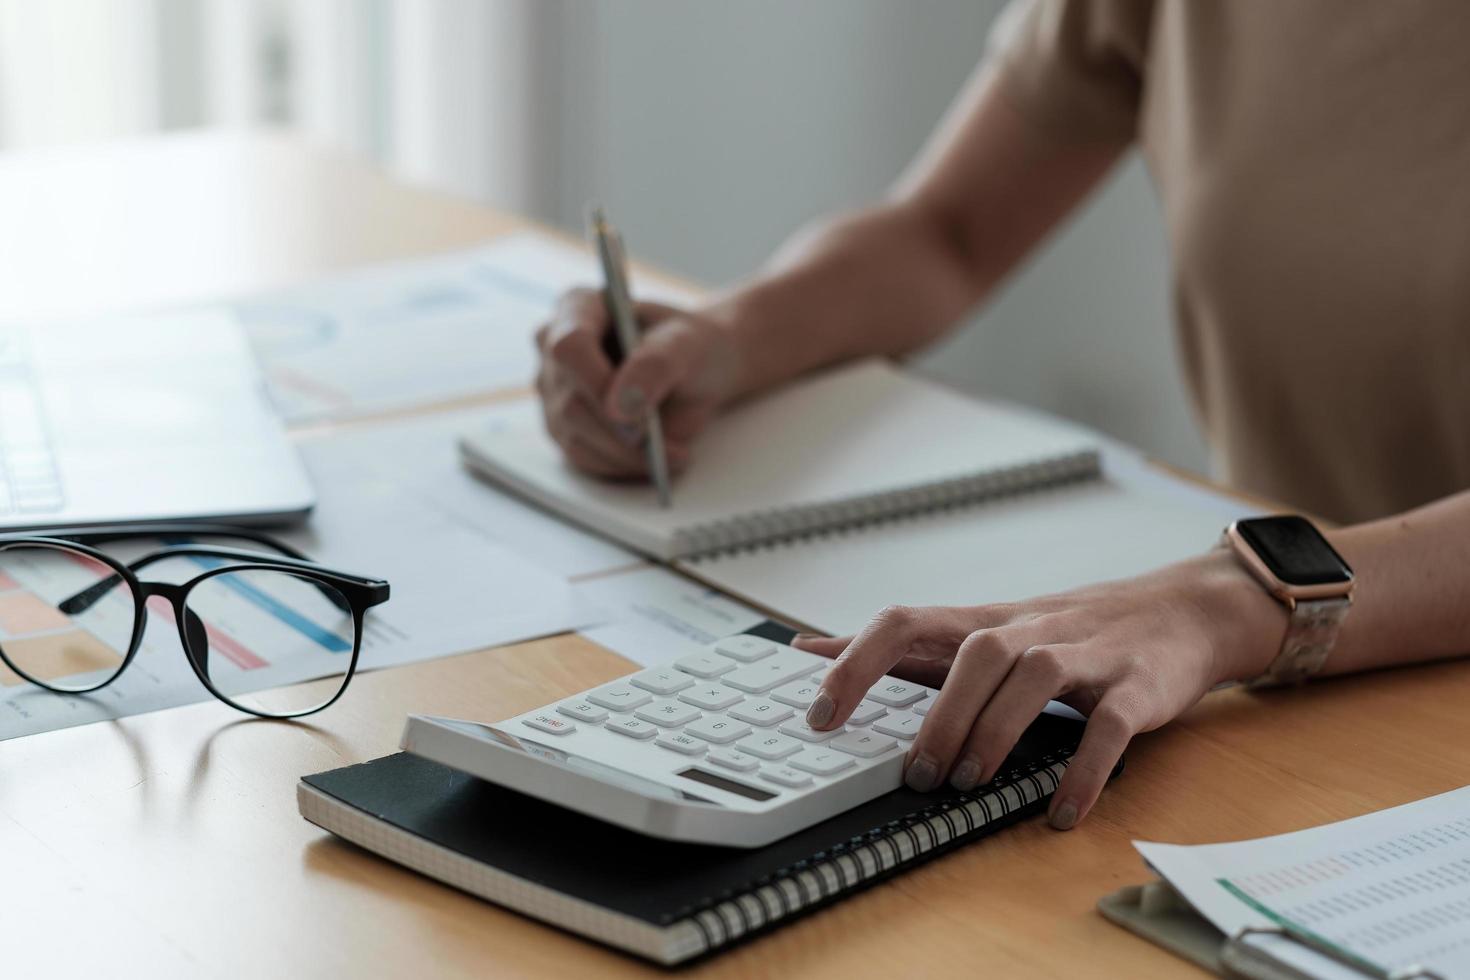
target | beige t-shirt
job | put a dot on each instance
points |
(1313, 159)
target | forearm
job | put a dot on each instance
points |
(890, 279)
(878, 282)
(1411, 601)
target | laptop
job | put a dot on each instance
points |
(143, 419)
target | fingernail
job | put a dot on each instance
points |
(803, 638)
(821, 711)
(966, 775)
(1064, 817)
(631, 401)
(630, 434)
(923, 774)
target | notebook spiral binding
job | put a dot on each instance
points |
(868, 859)
(787, 525)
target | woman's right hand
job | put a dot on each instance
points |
(686, 365)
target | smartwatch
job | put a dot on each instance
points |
(1295, 564)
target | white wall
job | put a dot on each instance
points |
(712, 129)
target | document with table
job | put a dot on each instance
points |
(1383, 894)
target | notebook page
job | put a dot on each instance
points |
(848, 433)
(993, 551)
(1391, 887)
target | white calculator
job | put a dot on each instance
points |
(712, 747)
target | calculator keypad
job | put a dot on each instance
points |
(769, 745)
(761, 712)
(713, 728)
(711, 697)
(739, 707)
(619, 697)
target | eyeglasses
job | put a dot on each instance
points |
(72, 618)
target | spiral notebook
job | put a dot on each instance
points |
(664, 901)
(852, 446)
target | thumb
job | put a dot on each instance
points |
(664, 358)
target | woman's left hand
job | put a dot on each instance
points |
(1131, 655)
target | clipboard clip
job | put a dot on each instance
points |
(1245, 959)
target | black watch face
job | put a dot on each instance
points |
(1295, 551)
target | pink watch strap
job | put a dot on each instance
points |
(1310, 637)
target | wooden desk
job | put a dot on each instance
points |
(168, 844)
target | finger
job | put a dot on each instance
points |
(1039, 674)
(594, 459)
(571, 346)
(1109, 729)
(822, 646)
(665, 356)
(885, 641)
(685, 419)
(921, 670)
(616, 442)
(980, 666)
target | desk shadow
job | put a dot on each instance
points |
(199, 773)
(135, 747)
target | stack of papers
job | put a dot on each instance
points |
(1386, 891)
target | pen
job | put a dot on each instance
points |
(620, 310)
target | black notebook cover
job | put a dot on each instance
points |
(661, 882)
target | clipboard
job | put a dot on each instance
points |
(1161, 915)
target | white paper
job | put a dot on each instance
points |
(1391, 887)
(654, 615)
(1129, 468)
(417, 332)
(419, 460)
(1003, 550)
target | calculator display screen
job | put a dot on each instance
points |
(728, 785)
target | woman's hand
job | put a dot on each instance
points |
(1130, 655)
(685, 365)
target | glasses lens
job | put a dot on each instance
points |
(250, 630)
(66, 618)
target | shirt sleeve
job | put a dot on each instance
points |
(1074, 67)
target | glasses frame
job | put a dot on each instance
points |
(361, 592)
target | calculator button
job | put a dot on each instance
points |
(745, 649)
(582, 710)
(669, 714)
(661, 680)
(786, 776)
(681, 743)
(922, 708)
(759, 711)
(731, 759)
(550, 723)
(763, 675)
(901, 726)
(711, 697)
(718, 730)
(631, 727)
(864, 745)
(820, 761)
(769, 745)
(798, 694)
(895, 694)
(619, 697)
(801, 730)
(704, 664)
(865, 712)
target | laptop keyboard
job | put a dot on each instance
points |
(29, 480)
